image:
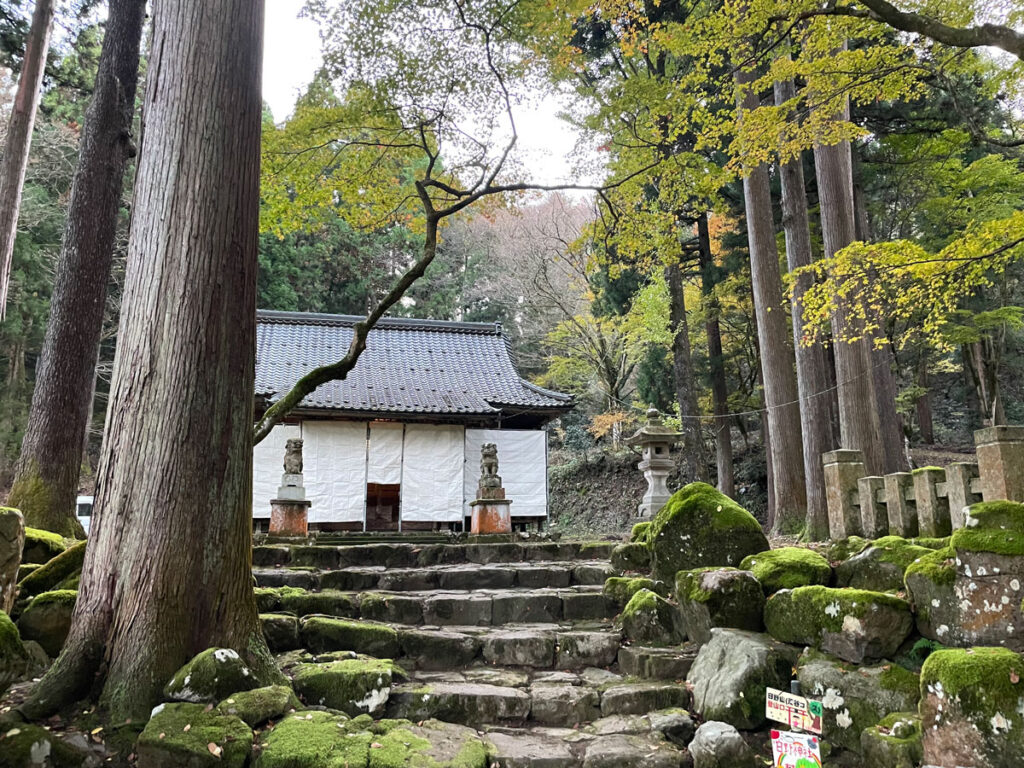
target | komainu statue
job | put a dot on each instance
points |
(293, 456)
(489, 466)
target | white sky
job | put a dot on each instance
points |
(291, 56)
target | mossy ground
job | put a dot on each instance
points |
(312, 738)
(788, 568)
(166, 741)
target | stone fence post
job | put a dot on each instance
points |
(932, 509)
(873, 515)
(901, 509)
(960, 493)
(843, 468)
(1001, 462)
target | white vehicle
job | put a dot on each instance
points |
(83, 510)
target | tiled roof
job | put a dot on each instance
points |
(409, 366)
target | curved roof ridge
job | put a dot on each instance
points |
(385, 323)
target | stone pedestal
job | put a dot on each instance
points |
(656, 470)
(492, 512)
(289, 517)
(843, 468)
(1001, 462)
(289, 512)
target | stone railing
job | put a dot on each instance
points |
(928, 501)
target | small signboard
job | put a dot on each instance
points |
(795, 750)
(795, 711)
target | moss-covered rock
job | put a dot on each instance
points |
(855, 698)
(649, 619)
(845, 548)
(190, 736)
(47, 619)
(31, 746)
(268, 599)
(41, 546)
(930, 584)
(733, 670)
(281, 631)
(353, 686)
(788, 568)
(14, 659)
(620, 589)
(50, 575)
(640, 532)
(431, 744)
(719, 597)
(700, 527)
(972, 708)
(992, 526)
(881, 566)
(211, 676)
(320, 633)
(307, 739)
(631, 557)
(259, 705)
(852, 624)
(26, 568)
(894, 743)
(329, 602)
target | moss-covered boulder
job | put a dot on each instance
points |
(259, 705)
(620, 589)
(930, 583)
(354, 686)
(281, 631)
(842, 549)
(47, 619)
(855, 698)
(649, 619)
(733, 670)
(894, 743)
(788, 568)
(852, 624)
(307, 739)
(211, 676)
(719, 597)
(631, 557)
(14, 659)
(320, 633)
(268, 599)
(41, 546)
(32, 746)
(431, 744)
(881, 566)
(640, 532)
(701, 527)
(972, 708)
(52, 574)
(191, 736)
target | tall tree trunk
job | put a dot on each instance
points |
(168, 568)
(883, 359)
(777, 359)
(811, 365)
(859, 423)
(19, 137)
(51, 451)
(716, 362)
(685, 381)
(923, 404)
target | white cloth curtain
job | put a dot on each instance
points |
(432, 473)
(385, 457)
(334, 455)
(522, 464)
(267, 467)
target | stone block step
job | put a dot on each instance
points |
(564, 748)
(415, 555)
(480, 696)
(657, 663)
(483, 607)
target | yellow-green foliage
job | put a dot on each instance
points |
(787, 568)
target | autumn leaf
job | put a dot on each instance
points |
(214, 749)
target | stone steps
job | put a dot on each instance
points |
(413, 555)
(446, 608)
(625, 745)
(525, 575)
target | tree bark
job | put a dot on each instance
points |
(51, 452)
(777, 358)
(813, 381)
(859, 425)
(19, 137)
(168, 568)
(716, 362)
(683, 376)
(923, 404)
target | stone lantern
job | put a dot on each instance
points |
(655, 441)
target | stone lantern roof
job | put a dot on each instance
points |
(654, 431)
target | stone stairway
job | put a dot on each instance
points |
(513, 638)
